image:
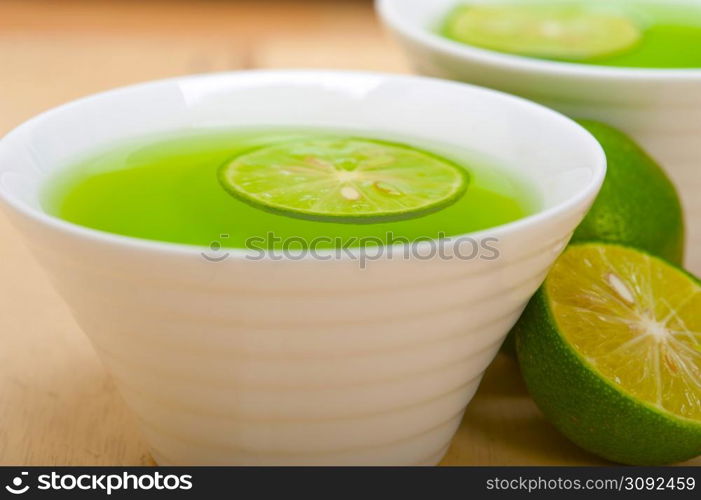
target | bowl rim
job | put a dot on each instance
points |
(389, 11)
(581, 200)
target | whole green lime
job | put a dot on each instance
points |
(610, 351)
(638, 204)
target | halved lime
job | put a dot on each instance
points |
(610, 349)
(549, 31)
(344, 179)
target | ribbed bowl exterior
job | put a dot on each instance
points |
(297, 363)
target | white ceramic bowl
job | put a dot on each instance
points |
(300, 361)
(661, 108)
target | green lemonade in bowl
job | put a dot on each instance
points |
(265, 189)
(633, 35)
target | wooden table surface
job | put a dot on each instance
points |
(57, 404)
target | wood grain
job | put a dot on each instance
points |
(57, 404)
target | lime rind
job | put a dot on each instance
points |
(563, 31)
(344, 179)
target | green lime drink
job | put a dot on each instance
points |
(615, 33)
(265, 188)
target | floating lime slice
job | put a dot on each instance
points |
(344, 180)
(548, 31)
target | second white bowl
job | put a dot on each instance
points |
(660, 108)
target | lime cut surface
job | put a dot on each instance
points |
(569, 32)
(610, 349)
(344, 179)
(636, 319)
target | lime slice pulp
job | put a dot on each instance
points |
(569, 32)
(344, 179)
